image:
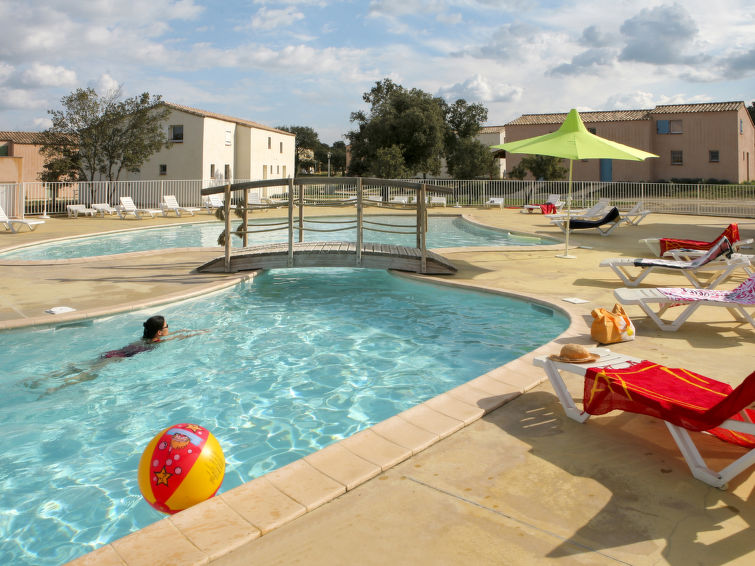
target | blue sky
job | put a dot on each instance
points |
(307, 62)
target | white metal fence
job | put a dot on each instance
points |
(714, 200)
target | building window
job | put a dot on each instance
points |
(592, 131)
(668, 126)
(741, 126)
(4, 150)
(281, 147)
(228, 138)
(676, 157)
(176, 133)
(227, 171)
(713, 156)
(163, 169)
(212, 170)
(269, 143)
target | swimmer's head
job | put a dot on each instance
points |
(153, 326)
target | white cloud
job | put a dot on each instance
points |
(40, 75)
(16, 98)
(6, 71)
(271, 18)
(480, 89)
(42, 123)
(659, 35)
(106, 84)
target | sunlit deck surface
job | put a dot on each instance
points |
(491, 472)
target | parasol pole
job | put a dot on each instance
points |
(566, 255)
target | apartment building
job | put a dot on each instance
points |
(20, 160)
(693, 141)
(207, 145)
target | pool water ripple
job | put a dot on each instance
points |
(293, 361)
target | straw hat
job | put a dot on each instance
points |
(575, 354)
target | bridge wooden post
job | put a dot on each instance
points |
(301, 213)
(290, 222)
(359, 221)
(227, 212)
(422, 227)
(245, 238)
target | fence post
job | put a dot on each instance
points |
(359, 221)
(290, 182)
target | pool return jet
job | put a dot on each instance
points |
(353, 192)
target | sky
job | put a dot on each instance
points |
(308, 62)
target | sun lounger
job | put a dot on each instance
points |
(13, 223)
(735, 301)
(127, 206)
(682, 399)
(551, 206)
(170, 204)
(401, 199)
(104, 208)
(75, 209)
(212, 202)
(719, 258)
(635, 215)
(494, 201)
(661, 246)
(598, 210)
(604, 225)
(437, 201)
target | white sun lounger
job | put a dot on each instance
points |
(170, 204)
(598, 210)
(104, 208)
(684, 441)
(400, 199)
(689, 300)
(635, 215)
(440, 201)
(75, 209)
(494, 201)
(719, 258)
(212, 202)
(12, 223)
(554, 199)
(128, 207)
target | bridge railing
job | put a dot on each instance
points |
(354, 192)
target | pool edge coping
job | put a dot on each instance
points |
(309, 482)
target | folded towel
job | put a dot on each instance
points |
(59, 310)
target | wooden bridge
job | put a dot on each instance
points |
(361, 193)
(331, 254)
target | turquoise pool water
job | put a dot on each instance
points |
(443, 232)
(293, 361)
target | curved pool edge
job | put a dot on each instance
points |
(225, 524)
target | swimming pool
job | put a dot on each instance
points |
(294, 360)
(443, 232)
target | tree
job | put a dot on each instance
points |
(751, 110)
(99, 137)
(306, 139)
(470, 159)
(466, 157)
(541, 166)
(410, 120)
(338, 157)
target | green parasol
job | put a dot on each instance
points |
(572, 141)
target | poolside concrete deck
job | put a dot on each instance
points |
(489, 473)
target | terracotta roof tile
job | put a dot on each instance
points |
(33, 138)
(587, 117)
(225, 118)
(491, 129)
(704, 107)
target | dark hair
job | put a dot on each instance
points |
(152, 326)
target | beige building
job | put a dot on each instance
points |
(693, 141)
(207, 145)
(494, 135)
(20, 160)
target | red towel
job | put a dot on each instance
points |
(682, 397)
(731, 232)
(548, 208)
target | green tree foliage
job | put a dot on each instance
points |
(99, 137)
(751, 110)
(411, 120)
(389, 163)
(466, 157)
(541, 166)
(338, 157)
(306, 139)
(470, 159)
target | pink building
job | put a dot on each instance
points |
(693, 141)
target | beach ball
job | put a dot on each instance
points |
(182, 466)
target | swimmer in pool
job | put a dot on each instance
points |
(155, 331)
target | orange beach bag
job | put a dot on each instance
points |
(609, 327)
